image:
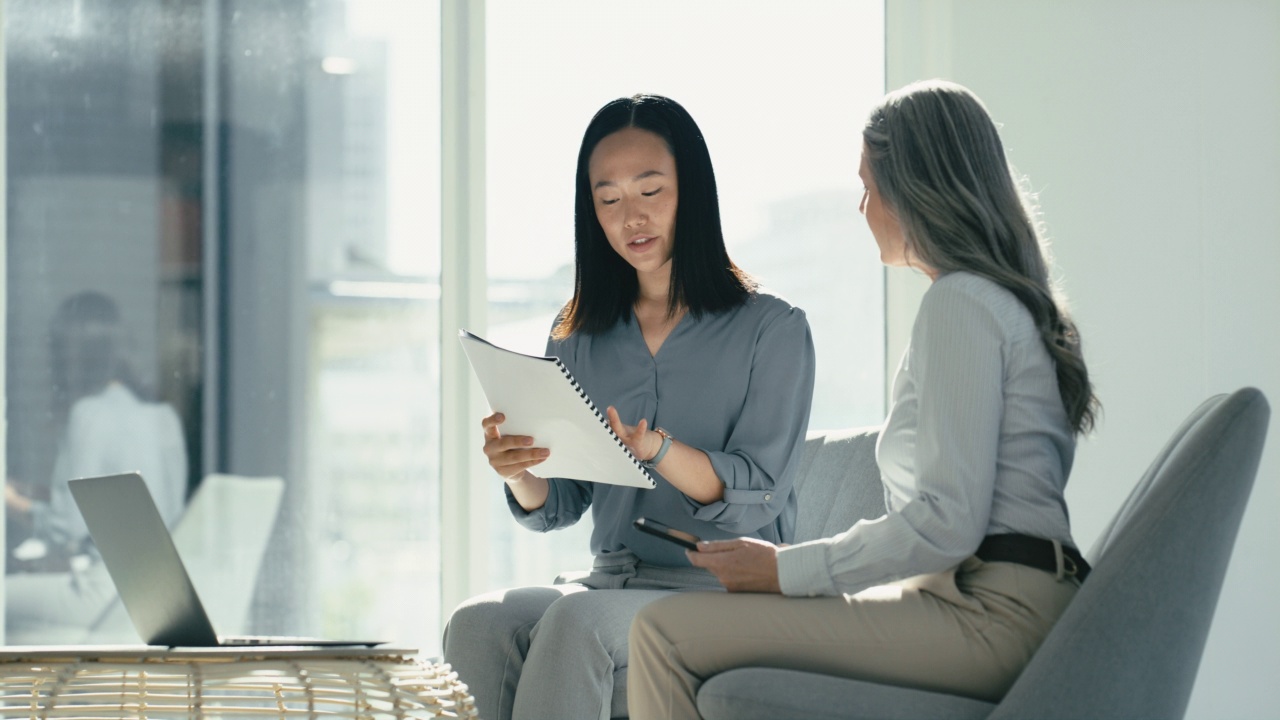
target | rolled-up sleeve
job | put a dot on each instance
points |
(566, 501)
(760, 459)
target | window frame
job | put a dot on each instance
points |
(463, 536)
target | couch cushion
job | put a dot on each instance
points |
(838, 482)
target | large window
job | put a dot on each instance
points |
(224, 223)
(223, 238)
(780, 91)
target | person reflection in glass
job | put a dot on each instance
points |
(106, 424)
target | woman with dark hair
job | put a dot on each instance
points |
(106, 424)
(707, 378)
(954, 588)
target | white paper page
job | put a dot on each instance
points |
(539, 399)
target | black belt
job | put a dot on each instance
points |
(1033, 552)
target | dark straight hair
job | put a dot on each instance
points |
(88, 349)
(703, 278)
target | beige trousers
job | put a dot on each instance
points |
(968, 631)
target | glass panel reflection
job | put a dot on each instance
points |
(242, 181)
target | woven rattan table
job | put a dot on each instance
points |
(112, 682)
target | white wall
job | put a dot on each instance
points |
(1152, 131)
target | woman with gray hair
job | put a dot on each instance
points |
(955, 587)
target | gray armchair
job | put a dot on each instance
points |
(1130, 643)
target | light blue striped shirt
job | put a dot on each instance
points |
(977, 443)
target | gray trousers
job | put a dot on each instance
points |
(558, 652)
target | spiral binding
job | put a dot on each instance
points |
(603, 420)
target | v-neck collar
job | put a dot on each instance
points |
(639, 333)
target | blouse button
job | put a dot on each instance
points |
(768, 497)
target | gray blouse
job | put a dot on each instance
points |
(737, 385)
(977, 443)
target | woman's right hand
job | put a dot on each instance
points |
(509, 455)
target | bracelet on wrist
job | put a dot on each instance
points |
(662, 450)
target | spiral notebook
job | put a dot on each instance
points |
(540, 398)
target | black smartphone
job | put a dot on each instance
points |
(670, 534)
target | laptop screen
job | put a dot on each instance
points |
(143, 563)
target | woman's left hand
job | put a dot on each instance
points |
(642, 443)
(741, 565)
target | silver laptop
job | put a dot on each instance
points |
(147, 571)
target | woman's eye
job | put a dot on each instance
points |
(608, 202)
(651, 193)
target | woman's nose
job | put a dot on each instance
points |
(635, 217)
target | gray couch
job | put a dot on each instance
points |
(1130, 643)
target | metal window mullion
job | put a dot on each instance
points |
(463, 530)
(213, 458)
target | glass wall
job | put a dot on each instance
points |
(223, 224)
(780, 91)
(105, 285)
(216, 263)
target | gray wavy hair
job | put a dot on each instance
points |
(939, 165)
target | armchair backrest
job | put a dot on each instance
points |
(1130, 643)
